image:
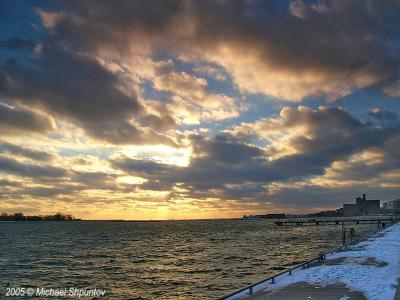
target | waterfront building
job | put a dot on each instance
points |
(362, 207)
(391, 207)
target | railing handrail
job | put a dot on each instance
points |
(272, 278)
(332, 219)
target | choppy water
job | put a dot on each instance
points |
(158, 260)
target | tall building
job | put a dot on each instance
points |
(362, 207)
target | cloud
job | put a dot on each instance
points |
(212, 71)
(9, 183)
(331, 132)
(12, 166)
(375, 166)
(225, 148)
(47, 192)
(70, 84)
(20, 120)
(337, 46)
(93, 79)
(393, 88)
(95, 180)
(78, 88)
(191, 102)
(228, 166)
(143, 167)
(25, 152)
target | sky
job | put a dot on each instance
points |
(184, 109)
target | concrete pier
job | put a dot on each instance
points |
(369, 269)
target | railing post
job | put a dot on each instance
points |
(251, 290)
(343, 234)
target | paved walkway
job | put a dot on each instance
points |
(367, 270)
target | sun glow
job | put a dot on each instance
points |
(162, 154)
(131, 180)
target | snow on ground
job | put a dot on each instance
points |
(371, 267)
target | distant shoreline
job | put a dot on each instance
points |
(20, 217)
(126, 221)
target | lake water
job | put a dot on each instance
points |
(155, 260)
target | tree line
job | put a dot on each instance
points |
(18, 216)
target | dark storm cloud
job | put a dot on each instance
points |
(108, 25)
(360, 170)
(69, 84)
(13, 120)
(29, 170)
(332, 132)
(159, 123)
(95, 180)
(4, 183)
(327, 135)
(49, 191)
(161, 176)
(348, 41)
(6, 147)
(332, 135)
(226, 148)
(79, 88)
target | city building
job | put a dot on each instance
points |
(362, 207)
(391, 207)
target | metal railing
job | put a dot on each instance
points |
(340, 219)
(304, 265)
